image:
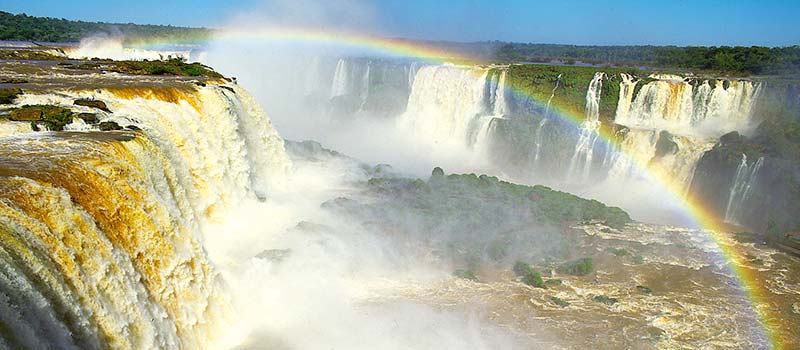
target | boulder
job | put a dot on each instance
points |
(89, 118)
(92, 103)
(437, 172)
(108, 126)
(26, 114)
(133, 127)
(7, 95)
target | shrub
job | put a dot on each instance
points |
(465, 274)
(605, 300)
(558, 301)
(522, 269)
(579, 267)
(534, 280)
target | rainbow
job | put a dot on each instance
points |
(695, 210)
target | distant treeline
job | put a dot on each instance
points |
(28, 28)
(737, 60)
(724, 59)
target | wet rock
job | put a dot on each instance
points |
(665, 144)
(644, 289)
(7, 95)
(133, 127)
(89, 118)
(92, 103)
(108, 126)
(437, 172)
(228, 88)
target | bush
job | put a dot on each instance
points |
(558, 301)
(522, 269)
(579, 267)
(534, 280)
(605, 300)
(465, 274)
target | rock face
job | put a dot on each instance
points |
(53, 117)
(93, 103)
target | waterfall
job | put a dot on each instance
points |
(538, 136)
(340, 79)
(103, 231)
(447, 104)
(706, 108)
(364, 90)
(584, 148)
(741, 188)
(499, 107)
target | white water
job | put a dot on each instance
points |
(448, 104)
(545, 118)
(584, 149)
(706, 110)
(147, 283)
(741, 188)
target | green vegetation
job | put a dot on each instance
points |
(605, 300)
(538, 82)
(52, 117)
(738, 60)
(465, 274)
(7, 95)
(558, 301)
(579, 267)
(534, 280)
(638, 260)
(553, 282)
(644, 290)
(522, 268)
(618, 251)
(28, 28)
(170, 66)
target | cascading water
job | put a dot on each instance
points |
(584, 149)
(103, 231)
(741, 188)
(706, 108)
(693, 112)
(339, 86)
(454, 105)
(542, 123)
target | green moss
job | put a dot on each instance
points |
(171, 66)
(638, 259)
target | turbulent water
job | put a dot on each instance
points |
(103, 232)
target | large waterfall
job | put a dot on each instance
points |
(101, 232)
(584, 150)
(683, 117)
(455, 105)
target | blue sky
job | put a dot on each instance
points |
(657, 22)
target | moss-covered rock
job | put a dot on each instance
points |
(534, 280)
(52, 117)
(89, 118)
